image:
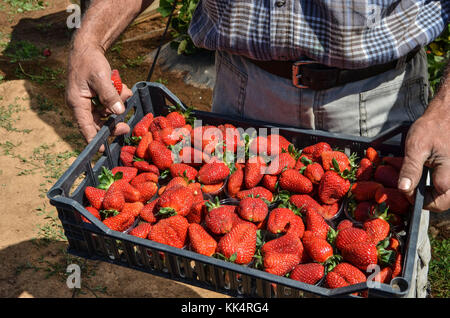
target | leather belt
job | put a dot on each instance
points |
(316, 76)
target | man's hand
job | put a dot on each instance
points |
(89, 75)
(428, 143)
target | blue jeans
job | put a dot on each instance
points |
(363, 108)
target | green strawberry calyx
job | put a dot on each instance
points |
(213, 204)
(104, 214)
(106, 178)
(167, 211)
(231, 259)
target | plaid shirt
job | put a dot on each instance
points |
(339, 33)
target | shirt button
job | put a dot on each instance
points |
(280, 3)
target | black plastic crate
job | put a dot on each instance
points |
(96, 241)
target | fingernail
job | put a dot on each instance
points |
(118, 108)
(404, 184)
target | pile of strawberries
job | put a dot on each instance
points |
(315, 215)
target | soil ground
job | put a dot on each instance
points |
(39, 140)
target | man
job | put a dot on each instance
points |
(360, 69)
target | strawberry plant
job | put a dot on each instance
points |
(438, 54)
(180, 24)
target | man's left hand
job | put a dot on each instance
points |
(428, 144)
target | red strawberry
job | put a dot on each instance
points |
(197, 191)
(177, 199)
(373, 156)
(119, 222)
(293, 181)
(302, 162)
(144, 177)
(305, 202)
(344, 274)
(365, 190)
(387, 176)
(316, 223)
(279, 220)
(360, 254)
(397, 265)
(270, 182)
(239, 245)
(116, 81)
(280, 263)
(206, 138)
(396, 162)
(281, 162)
(330, 210)
(213, 173)
(346, 223)
(221, 219)
(149, 211)
(332, 187)
(363, 210)
(158, 123)
(170, 231)
(384, 276)
(314, 152)
(363, 254)
(132, 208)
(197, 213)
(171, 136)
(147, 190)
(261, 192)
(310, 273)
(95, 196)
(141, 230)
(176, 119)
(94, 212)
(114, 199)
(394, 199)
(183, 170)
(365, 170)
(130, 149)
(377, 229)
(142, 127)
(193, 156)
(329, 157)
(128, 173)
(160, 155)
(280, 255)
(201, 242)
(394, 244)
(317, 248)
(213, 189)
(296, 226)
(277, 144)
(142, 150)
(126, 158)
(254, 171)
(350, 235)
(130, 193)
(314, 172)
(231, 137)
(144, 166)
(235, 181)
(253, 209)
(258, 146)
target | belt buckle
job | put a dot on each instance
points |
(296, 70)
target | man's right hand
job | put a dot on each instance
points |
(89, 75)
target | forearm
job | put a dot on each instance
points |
(105, 20)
